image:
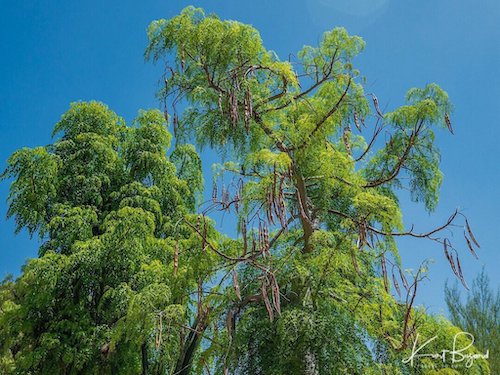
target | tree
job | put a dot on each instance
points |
(134, 281)
(478, 314)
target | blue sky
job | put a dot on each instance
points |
(57, 52)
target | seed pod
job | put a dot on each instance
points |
(183, 60)
(176, 123)
(275, 290)
(403, 279)
(461, 275)
(346, 138)
(265, 297)
(396, 284)
(245, 240)
(214, 193)
(236, 285)
(471, 234)
(356, 121)
(375, 104)
(448, 123)
(384, 273)
(469, 244)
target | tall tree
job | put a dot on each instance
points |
(316, 203)
(133, 278)
(478, 315)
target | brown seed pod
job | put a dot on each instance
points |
(469, 245)
(265, 297)
(461, 275)
(245, 239)
(473, 238)
(384, 273)
(396, 284)
(183, 60)
(448, 123)
(275, 290)
(375, 104)
(356, 121)
(403, 279)
(236, 284)
(214, 193)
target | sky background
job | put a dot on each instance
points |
(56, 52)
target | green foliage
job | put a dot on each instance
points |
(130, 279)
(104, 198)
(478, 315)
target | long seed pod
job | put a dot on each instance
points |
(214, 193)
(384, 273)
(183, 60)
(245, 239)
(396, 284)
(176, 257)
(236, 284)
(204, 237)
(254, 244)
(375, 104)
(356, 121)
(275, 290)
(469, 245)
(448, 123)
(265, 297)
(346, 138)
(175, 122)
(403, 279)
(473, 238)
(461, 275)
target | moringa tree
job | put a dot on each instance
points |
(132, 276)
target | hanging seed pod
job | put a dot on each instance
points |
(375, 104)
(461, 275)
(275, 292)
(346, 138)
(448, 123)
(396, 284)
(403, 279)
(267, 303)
(245, 240)
(471, 234)
(176, 257)
(254, 244)
(356, 121)
(469, 245)
(176, 123)
(183, 60)
(204, 237)
(165, 114)
(214, 193)
(384, 273)
(236, 285)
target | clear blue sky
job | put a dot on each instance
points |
(55, 52)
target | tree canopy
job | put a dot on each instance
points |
(134, 278)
